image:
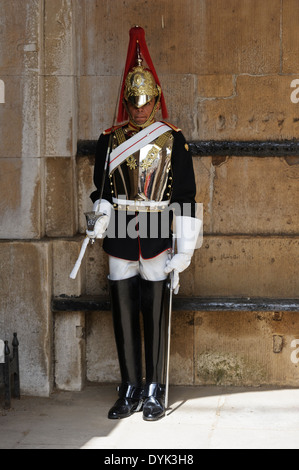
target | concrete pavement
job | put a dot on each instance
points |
(198, 418)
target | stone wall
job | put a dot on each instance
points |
(229, 71)
(38, 133)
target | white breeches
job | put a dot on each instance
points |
(149, 269)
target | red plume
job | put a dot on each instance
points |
(137, 35)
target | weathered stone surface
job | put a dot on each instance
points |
(216, 86)
(236, 37)
(96, 270)
(19, 36)
(238, 349)
(290, 41)
(20, 167)
(192, 36)
(181, 364)
(60, 213)
(60, 110)
(248, 195)
(65, 255)
(12, 112)
(98, 101)
(219, 348)
(20, 192)
(70, 360)
(260, 109)
(19, 118)
(59, 37)
(25, 288)
(102, 362)
(183, 109)
(236, 266)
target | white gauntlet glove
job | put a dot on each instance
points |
(177, 264)
(103, 221)
(187, 231)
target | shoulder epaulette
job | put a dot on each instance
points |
(176, 129)
(112, 129)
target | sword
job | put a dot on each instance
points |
(170, 285)
(91, 219)
(80, 257)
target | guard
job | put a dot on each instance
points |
(145, 188)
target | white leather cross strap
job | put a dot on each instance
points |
(135, 143)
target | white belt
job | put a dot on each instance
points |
(139, 206)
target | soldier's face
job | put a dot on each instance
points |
(141, 115)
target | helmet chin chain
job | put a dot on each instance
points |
(149, 120)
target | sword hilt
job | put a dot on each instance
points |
(91, 219)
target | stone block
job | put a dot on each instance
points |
(101, 354)
(25, 296)
(236, 266)
(59, 50)
(19, 115)
(182, 109)
(233, 348)
(60, 110)
(181, 364)
(19, 36)
(60, 209)
(70, 351)
(65, 255)
(290, 42)
(248, 195)
(261, 109)
(94, 48)
(216, 86)
(237, 37)
(96, 270)
(20, 192)
(11, 115)
(98, 102)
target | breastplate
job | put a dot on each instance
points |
(144, 179)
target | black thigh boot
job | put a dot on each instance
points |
(125, 302)
(155, 319)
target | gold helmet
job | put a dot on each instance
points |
(141, 87)
(140, 84)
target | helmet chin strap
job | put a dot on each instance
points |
(150, 118)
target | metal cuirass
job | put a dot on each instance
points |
(143, 180)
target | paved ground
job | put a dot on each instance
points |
(198, 418)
